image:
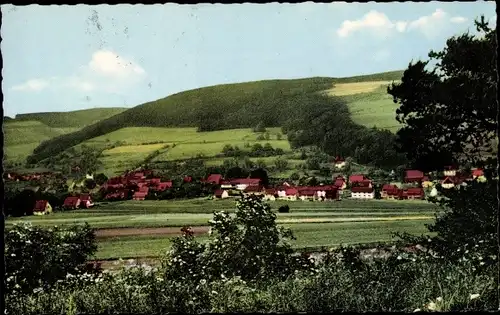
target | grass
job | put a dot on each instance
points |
(74, 119)
(229, 106)
(21, 137)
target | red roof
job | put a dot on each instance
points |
(164, 185)
(364, 183)
(338, 159)
(356, 178)
(291, 191)
(307, 192)
(271, 191)
(188, 179)
(415, 192)
(139, 194)
(252, 189)
(414, 174)
(425, 178)
(389, 187)
(393, 192)
(144, 189)
(362, 190)
(339, 182)
(71, 201)
(85, 197)
(40, 205)
(447, 180)
(214, 179)
(155, 181)
(477, 172)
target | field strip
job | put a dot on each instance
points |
(102, 233)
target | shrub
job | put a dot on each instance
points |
(284, 209)
(37, 257)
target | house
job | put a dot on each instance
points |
(226, 184)
(154, 181)
(85, 201)
(450, 171)
(42, 207)
(389, 191)
(140, 195)
(270, 194)
(362, 193)
(214, 179)
(363, 183)
(242, 183)
(162, 186)
(307, 193)
(219, 193)
(71, 202)
(340, 182)
(255, 190)
(415, 193)
(121, 194)
(339, 163)
(448, 183)
(291, 193)
(414, 176)
(478, 174)
(356, 178)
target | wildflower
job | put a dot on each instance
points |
(474, 296)
(417, 310)
(439, 299)
(431, 306)
(203, 281)
(399, 258)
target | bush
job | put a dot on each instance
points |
(249, 245)
(284, 209)
(36, 257)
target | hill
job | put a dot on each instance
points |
(220, 107)
(72, 119)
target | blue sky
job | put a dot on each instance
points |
(62, 58)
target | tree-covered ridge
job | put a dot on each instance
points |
(244, 105)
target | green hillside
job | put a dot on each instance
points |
(229, 106)
(73, 119)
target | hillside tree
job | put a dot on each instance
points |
(449, 110)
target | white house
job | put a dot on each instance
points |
(362, 193)
(450, 171)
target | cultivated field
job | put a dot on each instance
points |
(188, 144)
(145, 228)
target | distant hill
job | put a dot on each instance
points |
(72, 119)
(220, 107)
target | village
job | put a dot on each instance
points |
(144, 184)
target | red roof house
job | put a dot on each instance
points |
(85, 201)
(164, 186)
(340, 182)
(477, 173)
(219, 193)
(42, 207)
(362, 189)
(214, 179)
(356, 178)
(414, 176)
(271, 191)
(363, 183)
(71, 202)
(252, 190)
(415, 193)
(121, 194)
(291, 191)
(139, 195)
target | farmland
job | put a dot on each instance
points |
(314, 224)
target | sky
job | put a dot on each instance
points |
(63, 58)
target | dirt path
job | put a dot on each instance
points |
(147, 231)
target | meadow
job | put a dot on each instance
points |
(314, 224)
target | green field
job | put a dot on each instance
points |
(21, 137)
(188, 144)
(314, 223)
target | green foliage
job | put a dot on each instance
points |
(36, 257)
(281, 164)
(464, 84)
(249, 245)
(284, 209)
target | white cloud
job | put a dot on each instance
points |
(380, 24)
(106, 71)
(34, 85)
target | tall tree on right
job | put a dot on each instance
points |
(449, 110)
(449, 114)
